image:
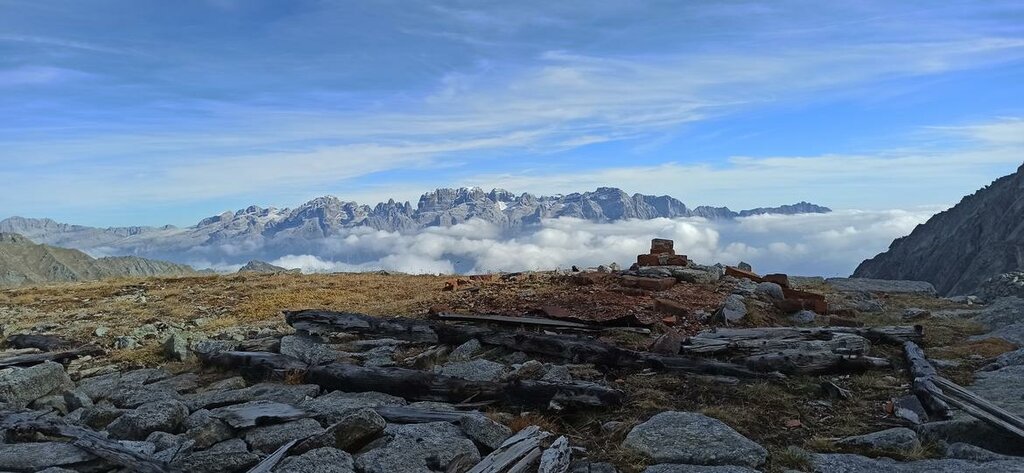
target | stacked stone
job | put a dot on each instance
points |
(662, 254)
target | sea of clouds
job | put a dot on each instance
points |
(830, 244)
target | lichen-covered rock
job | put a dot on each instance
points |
(475, 370)
(485, 431)
(847, 463)
(733, 309)
(21, 386)
(205, 430)
(305, 348)
(321, 460)
(770, 290)
(418, 448)
(335, 405)
(689, 437)
(230, 455)
(163, 416)
(269, 437)
(41, 455)
(465, 351)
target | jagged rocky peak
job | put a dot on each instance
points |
(14, 238)
(958, 249)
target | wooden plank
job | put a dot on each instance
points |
(979, 413)
(922, 373)
(525, 320)
(90, 441)
(512, 451)
(954, 390)
(557, 457)
(59, 357)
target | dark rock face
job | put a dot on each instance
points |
(958, 249)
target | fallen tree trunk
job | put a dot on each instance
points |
(411, 415)
(567, 347)
(801, 362)
(922, 372)
(840, 343)
(257, 364)
(428, 386)
(42, 342)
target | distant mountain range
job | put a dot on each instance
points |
(956, 250)
(266, 233)
(24, 262)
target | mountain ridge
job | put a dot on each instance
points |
(266, 233)
(24, 262)
(958, 249)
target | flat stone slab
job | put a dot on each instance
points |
(41, 455)
(846, 463)
(890, 286)
(692, 438)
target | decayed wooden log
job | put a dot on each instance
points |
(747, 337)
(802, 362)
(568, 347)
(556, 458)
(105, 448)
(523, 447)
(428, 386)
(923, 373)
(42, 342)
(411, 415)
(59, 357)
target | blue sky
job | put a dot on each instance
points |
(119, 112)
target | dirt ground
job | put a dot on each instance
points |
(776, 414)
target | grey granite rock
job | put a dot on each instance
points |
(335, 405)
(308, 349)
(688, 437)
(321, 460)
(485, 431)
(847, 463)
(475, 370)
(137, 424)
(418, 448)
(899, 438)
(269, 437)
(21, 386)
(770, 290)
(465, 351)
(733, 309)
(803, 317)
(285, 393)
(205, 430)
(37, 456)
(228, 456)
(176, 347)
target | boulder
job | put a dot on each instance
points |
(176, 347)
(898, 439)
(465, 351)
(485, 431)
(558, 373)
(358, 428)
(230, 455)
(475, 370)
(733, 309)
(205, 430)
(37, 456)
(418, 448)
(770, 290)
(308, 349)
(1013, 358)
(321, 460)
(269, 437)
(163, 416)
(803, 317)
(847, 463)
(21, 386)
(335, 405)
(100, 416)
(689, 437)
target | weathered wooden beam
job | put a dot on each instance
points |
(887, 334)
(523, 446)
(59, 357)
(429, 386)
(922, 373)
(90, 441)
(955, 391)
(567, 347)
(268, 464)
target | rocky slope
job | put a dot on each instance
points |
(24, 262)
(958, 249)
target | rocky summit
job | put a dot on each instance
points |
(959, 249)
